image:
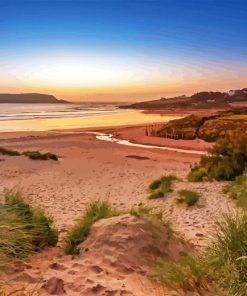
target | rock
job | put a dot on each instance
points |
(54, 286)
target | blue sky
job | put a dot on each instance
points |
(154, 32)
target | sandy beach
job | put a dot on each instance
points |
(90, 169)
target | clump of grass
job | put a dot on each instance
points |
(228, 254)
(23, 229)
(154, 216)
(222, 266)
(187, 273)
(141, 211)
(94, 212)
(197, 174)
(188, 196)
(237, 190)
(36, 155)
(159, 188)
(5, 151)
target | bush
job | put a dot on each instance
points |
(23, 229)
(5, 151)
(226, 160)
(188, 196)
(94, 212)
(38, 155)
(160, 187)
(237, 190)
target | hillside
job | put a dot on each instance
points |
(201, 100)
(32, 98)
(205, 127)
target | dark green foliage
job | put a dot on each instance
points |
(237, 190)
(226, 160)
(160, 187)
(94, 212)
(188, 196)
(5, 151)
(36, 155)
(24, 229)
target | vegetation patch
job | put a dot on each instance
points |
(221, 267)
(36, 155)
(94, 212)
(226, 160)
(189, 197)
(159, 188)
(206, 127)
(31, 154)
(23, 229)
(141, 211)
(237, 190)
(5, 151)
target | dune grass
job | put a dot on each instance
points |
(160, 187)
(95, 211)
(37, 155)
(9, 152)
(23, 229)
(188, 196)
(140, 211)
(221, 267)
(237, 190)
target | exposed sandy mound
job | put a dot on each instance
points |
(114, 260)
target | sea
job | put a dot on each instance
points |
(40, 117)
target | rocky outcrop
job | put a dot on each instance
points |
(208, 128)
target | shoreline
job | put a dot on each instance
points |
(135, 134)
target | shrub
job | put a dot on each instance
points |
(5, 151)
(160, 187)
(188, 196)
(237, 190)
(23, 228)
(38, 155)
(94, 212)
(226, 160)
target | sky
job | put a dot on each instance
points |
(122, 50)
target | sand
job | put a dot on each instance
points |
(89, 169)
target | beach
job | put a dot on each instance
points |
(90, 169)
